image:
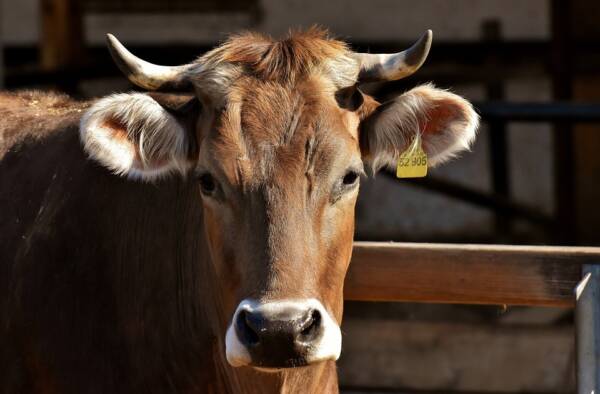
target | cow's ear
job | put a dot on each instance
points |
(141, 136)
(447, 124)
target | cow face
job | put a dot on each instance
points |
(279, 173)
(276, 135)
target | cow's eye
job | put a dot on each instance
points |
(346, 184)
(350, 178)
(207, 183)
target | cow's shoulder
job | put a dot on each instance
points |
(35, 115)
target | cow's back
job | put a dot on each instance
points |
(101, 278)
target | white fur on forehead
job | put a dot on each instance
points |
(397, 126)
(342, 70)
(152, 143)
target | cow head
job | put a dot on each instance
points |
(276, 134)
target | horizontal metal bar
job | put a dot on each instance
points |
(539, 112)
(466, 274)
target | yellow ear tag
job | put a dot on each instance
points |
(412, 163)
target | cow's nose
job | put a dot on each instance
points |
(281, 333)
(287, 333)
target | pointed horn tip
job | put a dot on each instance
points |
(417, 54)
(428, 36)
(425, 39)
(113, 42)
(394, 66)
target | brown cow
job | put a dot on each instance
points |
(220, 280)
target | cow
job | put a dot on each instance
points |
(193, 237)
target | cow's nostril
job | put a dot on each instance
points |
(311, 326)
(246, 330)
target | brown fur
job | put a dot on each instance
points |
(285, 61)
(297, 57)
(33, 114)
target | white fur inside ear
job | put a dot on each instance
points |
(133, 135)
(456, 133)
(447, 123)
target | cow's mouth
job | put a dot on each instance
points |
(278, 366)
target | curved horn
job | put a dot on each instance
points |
(147, 75)
(393, 66)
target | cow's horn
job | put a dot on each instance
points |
(147, 75)
(393, 66)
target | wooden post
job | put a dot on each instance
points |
(564, 156)
(498, 141)
(1, 52)
(587, 324)
(62, 38)
(586, 36)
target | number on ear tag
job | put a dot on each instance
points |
(412, 163)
